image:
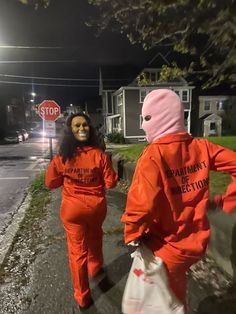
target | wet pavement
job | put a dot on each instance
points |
(38, 281)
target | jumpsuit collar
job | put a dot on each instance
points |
(175, 137)
(84, 148)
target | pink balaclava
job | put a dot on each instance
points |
(162, 114)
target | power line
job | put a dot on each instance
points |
(31, 47)
(60, 78)
(40, 61)
(56, 85)
(43, 84)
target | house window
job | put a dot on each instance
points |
(207, 105)
(147, 76)
(153, 77)
(219, 105)
(142, 94)
(119, 100)
(140, 121)
(185, 96)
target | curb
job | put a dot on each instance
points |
(7, 238)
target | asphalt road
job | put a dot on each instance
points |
(19, 164)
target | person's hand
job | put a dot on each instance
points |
(211, 205)
(215, 204)
(133, 245)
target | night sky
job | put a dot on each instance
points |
(62, 25)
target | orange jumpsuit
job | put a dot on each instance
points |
(83, 210)
(168, 201)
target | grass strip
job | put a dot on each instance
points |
(25, 246)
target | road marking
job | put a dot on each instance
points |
(37, 169)
(31, 167)
(40, 164)
(14, 178)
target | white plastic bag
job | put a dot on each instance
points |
(147, 290)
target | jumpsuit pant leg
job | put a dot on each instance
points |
(95, 253)
(177, 267)
(177, 281)
(95, 237)
(82, 220)
(78, 251)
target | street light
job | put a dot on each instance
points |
(29, 101)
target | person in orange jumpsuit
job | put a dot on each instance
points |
(169, 195)
(84, 171)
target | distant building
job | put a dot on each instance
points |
(122, 107)
(73, 109)
(214, 112)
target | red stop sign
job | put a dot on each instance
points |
(49, 110)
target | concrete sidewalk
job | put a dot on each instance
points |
(49, 290)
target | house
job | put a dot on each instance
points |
(215, 113)
(211, 125)
(122, 107)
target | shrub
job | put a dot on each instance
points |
(115, 137)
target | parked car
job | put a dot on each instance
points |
(37, 132)
(13, 137)
(35, 129)
(25, 134)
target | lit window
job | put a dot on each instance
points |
(219, 105)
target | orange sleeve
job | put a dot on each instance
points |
(54, 177)
(109, 175)
(223, 159)
(142, 199)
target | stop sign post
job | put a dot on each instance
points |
(49, 111)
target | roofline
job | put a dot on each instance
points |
(211, 96)
(151, 87)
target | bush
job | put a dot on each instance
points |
(115, 137)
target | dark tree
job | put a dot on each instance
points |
(204, 30)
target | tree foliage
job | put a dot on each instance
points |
(205, 30)
(36, 3)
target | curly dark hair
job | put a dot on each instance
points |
(68, 143)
